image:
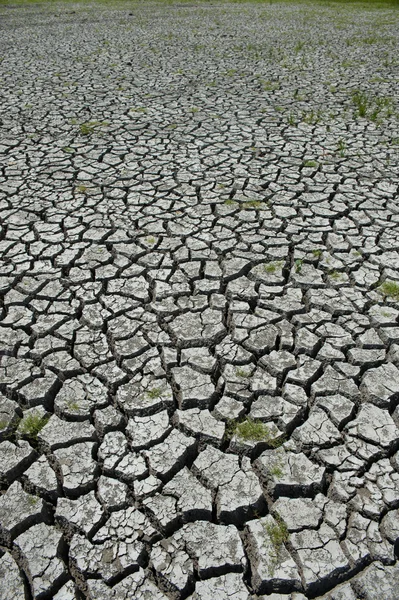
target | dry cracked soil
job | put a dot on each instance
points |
(199, 235)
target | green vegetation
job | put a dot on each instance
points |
(250, 430)
(252, 204)
(242, 373)
(373, 108)
(311, 163)
(139, 109)
(154, 393)
(390, 289)
(32, 424)
(298, 265)
(276, 470)
(341, 148)
(342, 4)
(278, 535)
(311, 117)
(269, 86)
(336, 275)
(90, 126)
(33, 500)
(73, 405)
(317, 252)
(272, 267)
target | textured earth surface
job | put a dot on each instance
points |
(200, 297)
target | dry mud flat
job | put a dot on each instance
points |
(200, 292)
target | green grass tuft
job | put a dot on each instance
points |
(32, 424)
(254, 431)
(390, 289)
(154, 393)
(278, 535)
(272, 267)
(242, 373)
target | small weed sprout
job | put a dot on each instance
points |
(252, 204)
(312, 117)
(32, 424)
(90, 126)
(33, 500)
(390, 289)
(276, 471)
(372, 108)
(317, 253)
(154, 393)
(310, 163)
(361, 102)
(278, 535)
(242, 373)
(138, 109)
(272, 267)
(298, 265)
(336, 275)
(73, 405)
(341, 148)
(250, 430)
(299, 46)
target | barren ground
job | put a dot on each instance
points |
(200, 296)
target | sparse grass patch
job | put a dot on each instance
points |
(250, 430)
(390, 289)
(73, 405)
(138, 109)
(299, 46)
(252, 204)
(82, 189)
(317, 252)
(272, 267)
(341, 148)
(242, 373)
(90, 126)
(230, 202)
(374, 108)
(269, 85)
(278, 535)
(336, 275)
(32, 424)
(311, 117)
(33, 500)
(154, 393)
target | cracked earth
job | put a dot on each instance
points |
(200, 297)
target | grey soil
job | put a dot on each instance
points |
(199, 234)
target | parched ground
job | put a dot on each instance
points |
(200, 300)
